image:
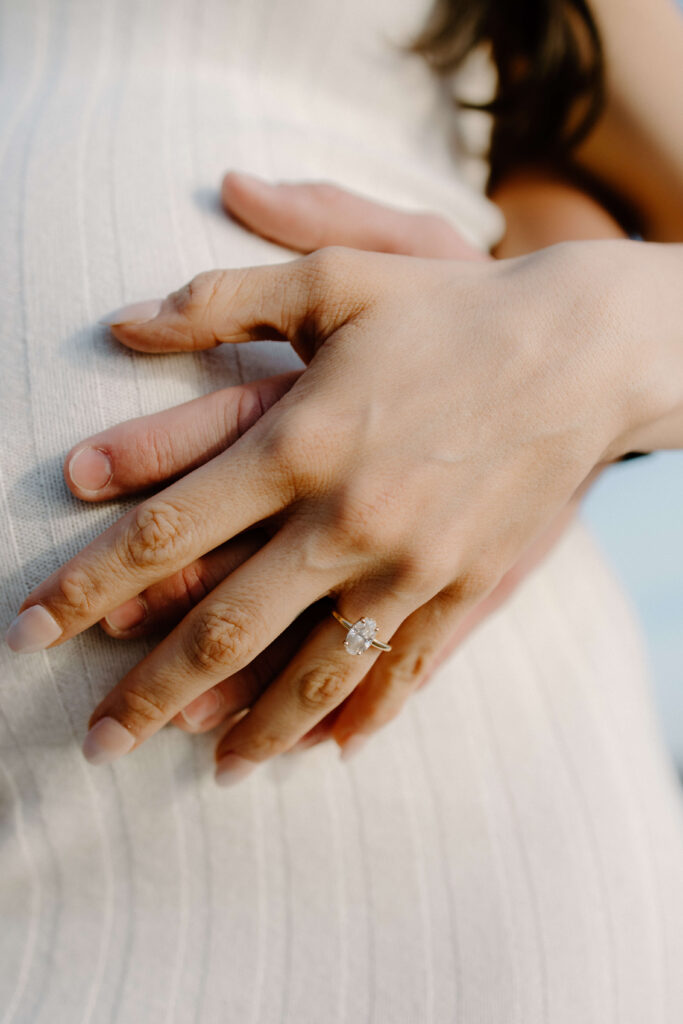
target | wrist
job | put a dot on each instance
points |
(639, 292)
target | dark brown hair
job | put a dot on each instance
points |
(550, 66)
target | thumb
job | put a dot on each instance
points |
(310, 215)
(302, 301)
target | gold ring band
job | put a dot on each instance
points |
(360, 635)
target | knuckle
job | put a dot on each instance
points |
(158, 535)
(198, 292)
(369, 522)
(325, 289)
(299, 449)
(422, 571)
(407, 670)
(210, 303)
(327, 276)
(218, 640)
(77, 592)
(360, 535)
(147, 707)
(260, 747)
(325, 264)
(320, 688)
(283, 438)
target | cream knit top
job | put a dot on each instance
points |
(509, 850)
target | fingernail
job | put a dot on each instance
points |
(135, 312)
(231, 768)
(106, 741)
(33, 630)
(248, 177)
(90, 469)
(130, 613)
(352, 746)
(254, 183)
(202, 708)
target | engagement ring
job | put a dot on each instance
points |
(361, 634)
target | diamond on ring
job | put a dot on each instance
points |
(360, 636)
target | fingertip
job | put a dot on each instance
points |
(340, 736)
(88, 471)
(352, 746)
(133, 335)
(345, 727)
(195, 729)
(133, 313)
(350, 730)
(135, 633)
(67, 475)
(248, 199)
(128, 616)
(179, 722)
(237, 181)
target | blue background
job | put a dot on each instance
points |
(636, 511)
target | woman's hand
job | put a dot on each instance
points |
(152, 449)
(302, 216)
(492, 388)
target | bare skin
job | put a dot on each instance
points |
(302, 217)
(578, 388)
(576, 375)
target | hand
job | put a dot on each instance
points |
(301, 216)
(499, 433)
(149, 450)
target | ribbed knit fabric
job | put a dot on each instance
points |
(509, 850)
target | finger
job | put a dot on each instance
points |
(148, 450)
(321, 675)
(429, 636)
(228, 720)
(218, 638)
(246, 304)
(162, 606)
(241, 689)
(159, 537)
(220, 703)
(398, 673)
(309, 215)
(320, 732)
